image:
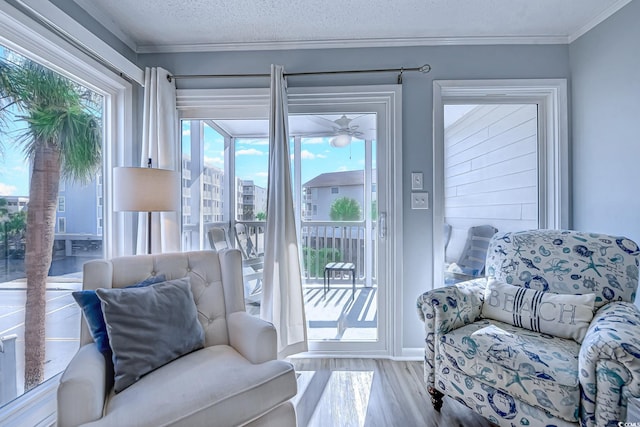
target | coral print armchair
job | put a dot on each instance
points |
(550, 337)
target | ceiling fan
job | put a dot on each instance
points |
(342, 131)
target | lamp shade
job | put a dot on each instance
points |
(340, 140)
(145, 190)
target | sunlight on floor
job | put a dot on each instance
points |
(325, 395)
(336, 316)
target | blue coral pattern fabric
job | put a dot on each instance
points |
(517, 377)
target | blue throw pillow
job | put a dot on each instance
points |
(90, 305)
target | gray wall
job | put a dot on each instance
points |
(448, 62)
(605, 88)
(457, 62)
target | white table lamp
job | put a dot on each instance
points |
(146, 190)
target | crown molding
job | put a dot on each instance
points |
(598, 19)
(107, 22)
(352, 43)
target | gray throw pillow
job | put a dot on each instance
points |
(149, 327)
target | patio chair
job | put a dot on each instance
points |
(474, 254)
(473, 257)
(446, 235)
(251, 267)
(218, 239)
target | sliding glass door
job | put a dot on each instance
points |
(341, 165)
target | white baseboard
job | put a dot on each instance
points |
(411, 353)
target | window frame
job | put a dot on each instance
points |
(61, 204)
(553, 144)
(32, 40)
(61, 226)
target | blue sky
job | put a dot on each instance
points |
(252, 156)
(14, 169)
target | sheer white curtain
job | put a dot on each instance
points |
(159, 143)
(282, 300)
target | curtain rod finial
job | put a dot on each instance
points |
(425, 68)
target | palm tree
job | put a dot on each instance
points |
(62, 138)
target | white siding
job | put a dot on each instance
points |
(491, 171)
(323, 198)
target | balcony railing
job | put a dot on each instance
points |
(321, 242)
(333, 241)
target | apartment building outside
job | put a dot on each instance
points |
(320, 192)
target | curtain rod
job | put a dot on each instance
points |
(423, 69)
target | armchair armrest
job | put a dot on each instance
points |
(83, 387)
(609, 362)
(446, 309)
(252, 337)
(451, 307)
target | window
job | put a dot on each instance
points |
(62, 225)
(203, 179)
(335, 190)
(251, 166)
(501, 161)
(81, 198)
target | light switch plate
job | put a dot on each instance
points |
(420, 200)
(417, 181)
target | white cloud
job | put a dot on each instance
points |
(255, 141)
(306, 154)
(262, 174)
(7, 190)
(250, 152)
(342, 169)
(213, 160)
(186, 132)
(316, 140)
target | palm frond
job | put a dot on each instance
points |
(58, 112)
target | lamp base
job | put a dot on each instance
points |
(149, 233)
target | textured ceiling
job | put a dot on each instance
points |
(182, 25)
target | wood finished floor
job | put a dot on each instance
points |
(372, 393)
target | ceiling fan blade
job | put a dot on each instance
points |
(321, 120)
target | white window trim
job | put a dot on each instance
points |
(204, 104)
(551, 97)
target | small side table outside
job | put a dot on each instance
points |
(339, 266)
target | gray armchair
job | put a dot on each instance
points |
(234, 380)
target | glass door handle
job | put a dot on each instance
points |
(382, 223)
